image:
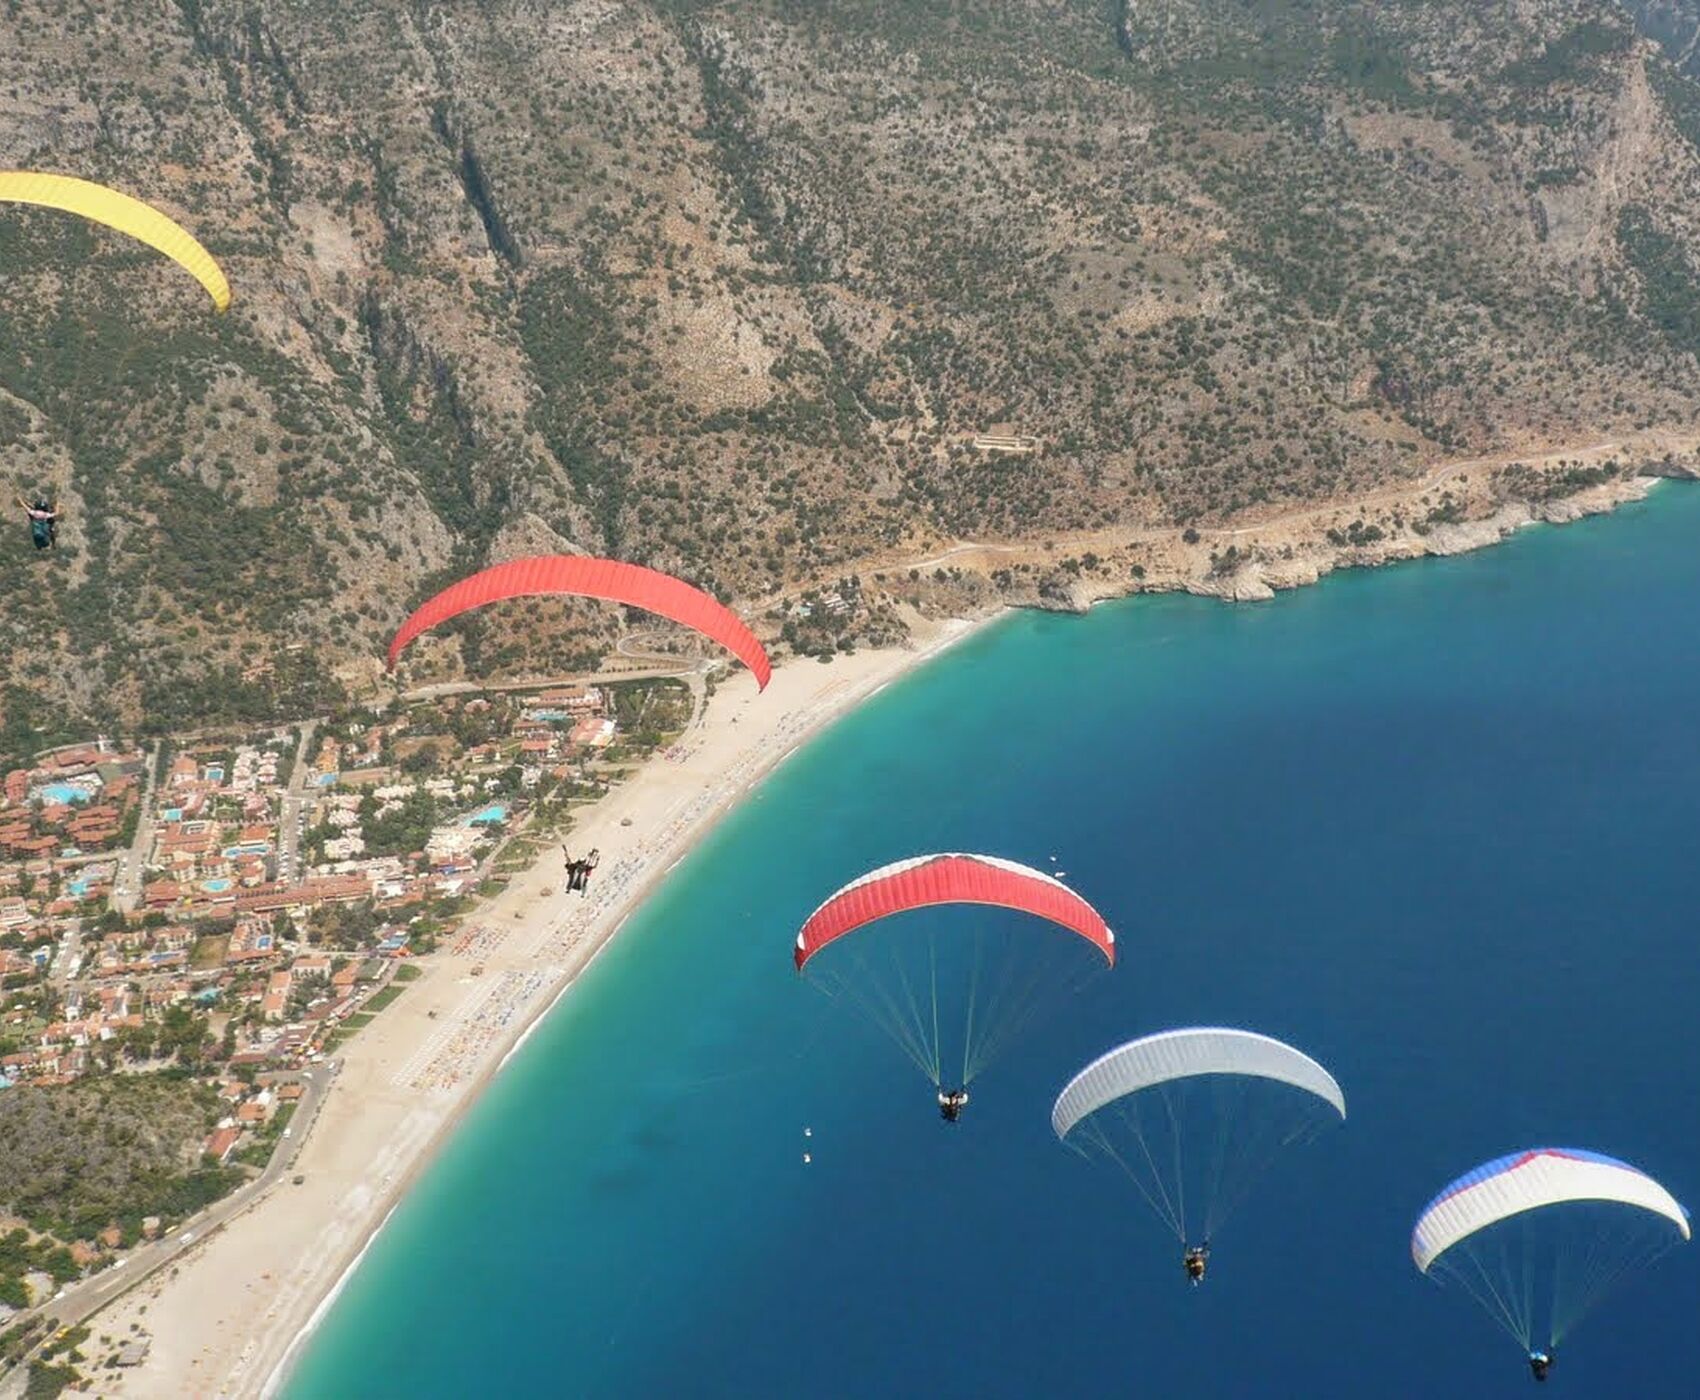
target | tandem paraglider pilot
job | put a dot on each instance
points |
(1195, 1260)
(1540, 1362)
(44, 521)
(578, 871)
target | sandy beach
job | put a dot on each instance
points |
(228, 1319)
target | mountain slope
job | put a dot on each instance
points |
(729, 290)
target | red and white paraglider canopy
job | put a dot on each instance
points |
(951, 878)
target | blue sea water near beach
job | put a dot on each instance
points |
(1434, 824)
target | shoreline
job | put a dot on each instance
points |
(216, 1333)
(907, 660)
(1453, 507)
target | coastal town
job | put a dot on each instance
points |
(214, 916)
(662, 656)
(196, 1276)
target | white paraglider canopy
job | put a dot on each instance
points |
(1193, 1117)
(1538, 1238)
(1183, 1054)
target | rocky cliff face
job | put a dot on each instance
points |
(732, 289)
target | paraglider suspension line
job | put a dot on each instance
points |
(1130, 1115)
(933, 977)
(1089, 1131)
(1180, 1174)
(1485, 1289)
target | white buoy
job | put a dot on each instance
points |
(808, 1132)
(807, 1159)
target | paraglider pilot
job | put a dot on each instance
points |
(44, 521)
(1540, 1363)
(1194, 1260)
(951, 1104)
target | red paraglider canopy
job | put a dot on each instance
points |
(585, 577)
(951, 878)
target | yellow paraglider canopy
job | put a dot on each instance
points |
(118, 211)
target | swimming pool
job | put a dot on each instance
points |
(65, 793)
(495, 812)
(218, 886)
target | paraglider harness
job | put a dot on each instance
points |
(951, 1104)
(1540, 1363)
(1194, 1261)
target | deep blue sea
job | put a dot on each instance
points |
(1434, 824)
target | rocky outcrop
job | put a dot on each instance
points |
(1678, 468)
(1303, 557)
(1246, 585)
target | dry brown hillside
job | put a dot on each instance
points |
(729, 289)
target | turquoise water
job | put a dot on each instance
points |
(487, 816)
(216, 886)
(1433, 824)
(64, 793)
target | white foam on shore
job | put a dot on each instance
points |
(567, 986)
(280, 1372)
(540, 1017)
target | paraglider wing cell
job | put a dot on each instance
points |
(119, 211)
(581, 576)
(951, 878)
(1525, 1181)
